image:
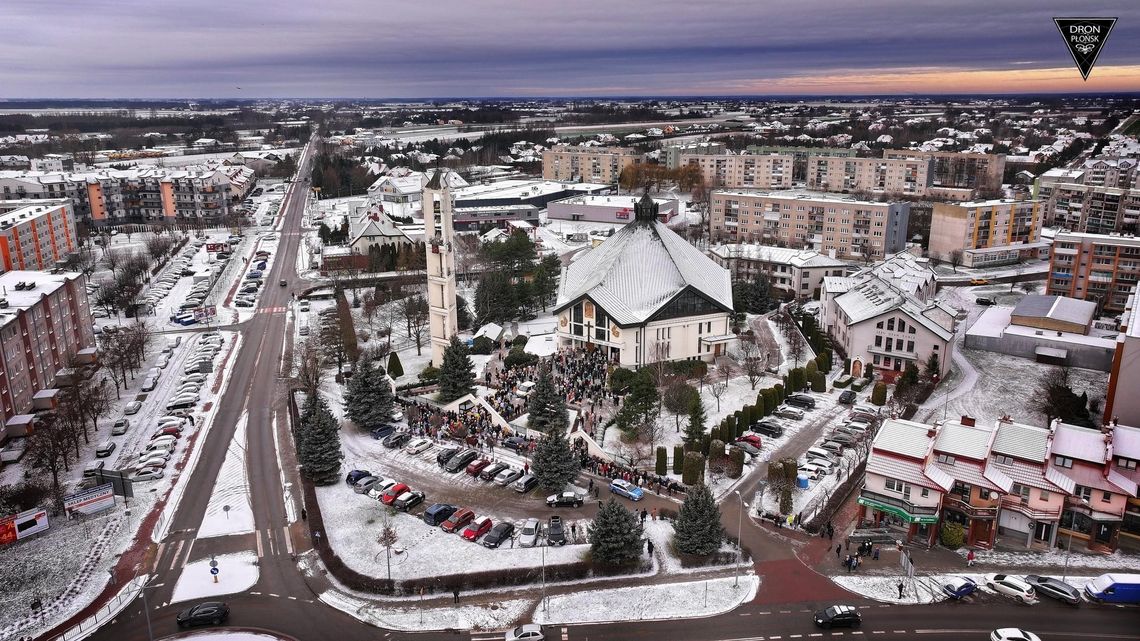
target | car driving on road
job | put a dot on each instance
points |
(214, 612)
(838, 616)
(565, 499)
(622, 487)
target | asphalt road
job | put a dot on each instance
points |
(282, 601)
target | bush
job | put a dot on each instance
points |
(860, 384)
(620, 379)
(518, 358)
(662, 461)
(810, 368)
(735, 463)
(952, 535)
(786, 499)
(694, 469)
(842, 381)
(761, 404)
(847, 366)
(429, 374)
(796, 379)
(519, 341)
(779, 393)
(678, 458)
(818, 382)
(879, 394)
(395, 369)
(482, 345)
(688, 369)
(717, 458)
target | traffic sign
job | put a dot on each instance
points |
(214, 571)
(213, 563)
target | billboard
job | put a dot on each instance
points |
(22, 525)
(90, 501)
(214, 248)
(203, 313)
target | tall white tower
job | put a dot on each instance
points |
(440, 263)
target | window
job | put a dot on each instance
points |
(1002, 458)
(1125, 463)
(945, 458)
(1063, 461)
(961, 489)
(910, 346)
(1083, 492)
(1106, 497)
(895, 485)
(1021, 490)
(925, 492)
(878, 341)
(1044, 495)
(891, 325)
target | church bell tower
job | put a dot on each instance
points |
(437, 207)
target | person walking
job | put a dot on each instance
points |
(304, 514)
(654, 514)
(649, 546)
(455, 593)
(970, 559)
(900, 590)
(838, 550)
(643, 515)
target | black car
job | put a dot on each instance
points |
(985, 301)
(396, 439)
(801, 400)
(768, 427)
(565, 499)
(838, 616)
(847, 397)
(210, 612)
(515, 443)
(491, 471)
(444, 455)
(555, 532)
(1054, 589)
(382, 432)
(355, 476)
(438, 513)
(501, 532)
(408, 500)
(460, 461)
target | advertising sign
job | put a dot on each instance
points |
(214, 248)
(90, 501)
(22, 525)
(202, 313)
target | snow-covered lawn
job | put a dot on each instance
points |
(353, 522)
(647, 602)
(495, 616)
(229, 510)
(236, 573)
(1117, 561)
(922, 588)
(786, 364)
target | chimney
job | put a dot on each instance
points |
(969, 421)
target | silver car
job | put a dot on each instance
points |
(531, 531)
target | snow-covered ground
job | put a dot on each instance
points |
(494, 616)
(808, 501)
(647, 602)
(216, 635)
(1116, 562)
(236, 573)
(921, 588)
(229, 510)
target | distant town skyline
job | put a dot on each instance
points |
(354, 48)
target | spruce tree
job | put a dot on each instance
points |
(698, 529)
(368, 399)
(318, 444)
(457, 373)
(554, 463)
(395, 369)
(615, 535)
(546, 406)
(695, 429)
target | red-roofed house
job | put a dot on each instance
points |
(1101, 492)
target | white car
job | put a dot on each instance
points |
(526, 632)
(162, 454)
(1011, 586)
(146, 474)
(154, 462)
(132, 408)
(418, 445)
(528, 536)
(1013, 634)
(379, 488)
(194, 378)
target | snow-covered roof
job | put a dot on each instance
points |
(909, 471)
(1026, 442)
(1079, 443)
(1060, 308)
(874, 297)
(903, 437)
(1126, 441)
(802, 258)
(967, 441)
(905, 271)
(639, 269)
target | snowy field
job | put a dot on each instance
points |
(648, 602)
(229, 511)
(236, 573)
(493, 616)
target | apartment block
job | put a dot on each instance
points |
(588, 164)
(44, 323)
(771, 171)
(671, 154)
(1093, 209)
(989, 232)
(36, 234)
(843, 226)
(798, 272)
(896, 176)
(1102, 268)
(1121, 402)
(951, 172)
(800, 156)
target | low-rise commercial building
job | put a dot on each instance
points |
(36, 234)
(1047, 329)
(796, 272)
(608, 208)
(987, 233)
(1121, 402)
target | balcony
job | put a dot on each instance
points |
(955, 502)
(903, 509)
(1019, 504)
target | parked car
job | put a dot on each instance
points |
(785, 411)
(105, 449)
(382, 432)
(378, 489)
(1114, 588)
(120, 427)
(474, 467)
(445, 454)
(491, 471)
(746, 447)
(460, 461)
(355, 475)
(802, 401)
(214, 612)
(622, 487)
(838, 616)
(363, 485)
(555, 531)
(1011, 586)
(957, 587)
(438, 513)
(396, 439)
(148, 473)
(1054, 589)
(834, 447)
(985, 301)
(1013, 634)
(527, 632)
(810, 471)
(458, 520)
(845, 439)
(389, 497)
(564, 499)
(499, 533)
(767, 427)
(528, 536)
(752, 439)
(477, 528)
(508, 476)
(847, 397)
(515, 443)
(132, 408)
(418, 445)
(408, 500)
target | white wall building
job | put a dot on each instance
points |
(799, 272)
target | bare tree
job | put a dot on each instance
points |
(308, 369)
(114, 258)
(96, 400)
(369, 310)
(50, 447)
(388, 536)
(796, 345)
(417, 318)
(751, 360)
(955, 259)
(717, 389)
(157, 246)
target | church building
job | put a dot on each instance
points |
(645, 295)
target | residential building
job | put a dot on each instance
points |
(645, 295)
(1126, 461)
(962, 451)
(953, 173)
(44, 324)
(801, 155)
(608, 208)
(884, 317)
(1044, 184)
(1121, 402)
(1109, 172)
(399, 192)
(1093, 209)
(1031, 509)
(987, 233)
(851, 228)
(1094, 267)
(902, 487)
(905, 176)
(1101, 493)
(36, 234)
(671, 154)
(732, 171)
(1048, 329)
(797, 272)
(588, 164)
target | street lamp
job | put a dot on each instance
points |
(1069, 546)
(739, 536)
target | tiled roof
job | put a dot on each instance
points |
(967, 441)
(908, 471)
(903, 437)
(1088, 476)
(1026, 442)
(1036, 476)
(1079, 443)
(975, 474)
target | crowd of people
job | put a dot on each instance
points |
(647, 481)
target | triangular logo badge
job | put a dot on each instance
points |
(1085, 38)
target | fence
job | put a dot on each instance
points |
(113, 607)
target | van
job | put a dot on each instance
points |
(105, 450)
(1114, 588)
(525, 484)
(438, 513)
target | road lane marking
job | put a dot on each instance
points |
(276, 596)
(288, 541)
(189, 550)
(795, 636)
(788, 611)
(745, 614)
(257, 538)
(292, 598)
(177, 551)
(255, 593)
(269, 540)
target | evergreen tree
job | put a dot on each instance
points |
(698, 529)
(554, 463)
(933, 367)
(318, 444)
(545, 284)
(546, 406)
(615, 535)
(457, 373)
(395, 369)
(695, 429)
(641, 405)
(495, 299)
(368, 400)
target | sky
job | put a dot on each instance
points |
(448, 48)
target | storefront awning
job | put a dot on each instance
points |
(922, 519)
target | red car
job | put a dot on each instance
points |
(396, 490)
(168, 431)
(461, 517)
(477, 466)
(753, 439)
(477, 528)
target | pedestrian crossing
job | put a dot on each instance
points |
(280, 309)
